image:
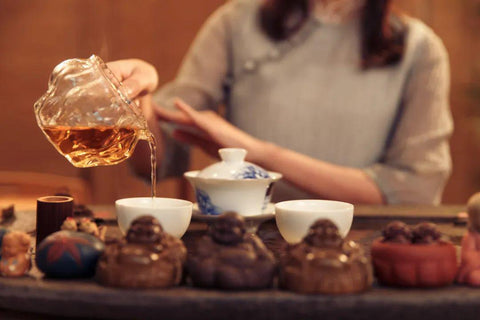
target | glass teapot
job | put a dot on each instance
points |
(87, 115)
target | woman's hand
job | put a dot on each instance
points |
(139, 79)
(208, 130)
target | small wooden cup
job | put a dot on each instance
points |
(51, 212)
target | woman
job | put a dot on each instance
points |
(345, 99)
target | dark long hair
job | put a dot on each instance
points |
(382, 34)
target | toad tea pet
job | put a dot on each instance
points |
(469, 272)
(15, 260)
(418, 257)
(324, 263)
(227, 258)
(147, 258)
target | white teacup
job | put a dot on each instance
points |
(174, 214)
(295, 217)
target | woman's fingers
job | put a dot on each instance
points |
(205, 143)
(194, 115)
(209, 124)
(185, 115)
(124, 70)
(174, 116)
(208, 121)
(137, 76)
(182, 105)
(134, 87)
(120, 69)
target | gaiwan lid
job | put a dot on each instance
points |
(233, 167)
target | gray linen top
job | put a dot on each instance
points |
(310, 95)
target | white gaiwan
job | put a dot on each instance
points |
(232, 184)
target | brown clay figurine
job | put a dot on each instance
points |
(228, 258)
(69, 224)
(7, 214)
(85, 225)
(324, 263)
(469, 272)
(15, 260)
(88, 226)
(147, 258)
(413, 257)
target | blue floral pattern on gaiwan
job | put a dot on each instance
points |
(69, 254)
(251, 172)
(205, 204)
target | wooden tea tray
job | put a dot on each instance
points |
(36, 298)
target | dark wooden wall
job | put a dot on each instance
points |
(35, 35)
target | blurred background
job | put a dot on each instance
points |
(35, 35)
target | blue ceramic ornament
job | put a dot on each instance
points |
(3, 232)
(69, 254)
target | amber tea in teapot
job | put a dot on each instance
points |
(87, 116)
(93, 146)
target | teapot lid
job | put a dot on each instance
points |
(233, 167)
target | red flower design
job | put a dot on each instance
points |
(64, 244)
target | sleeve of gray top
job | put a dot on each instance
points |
(199, 82)
(417, 161)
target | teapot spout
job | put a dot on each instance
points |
(145, 134)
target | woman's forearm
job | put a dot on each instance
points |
(315, 176)
(323, 179)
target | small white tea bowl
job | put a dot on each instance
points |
(295, 217)
(173, 214)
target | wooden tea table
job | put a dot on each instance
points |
(36, 298)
